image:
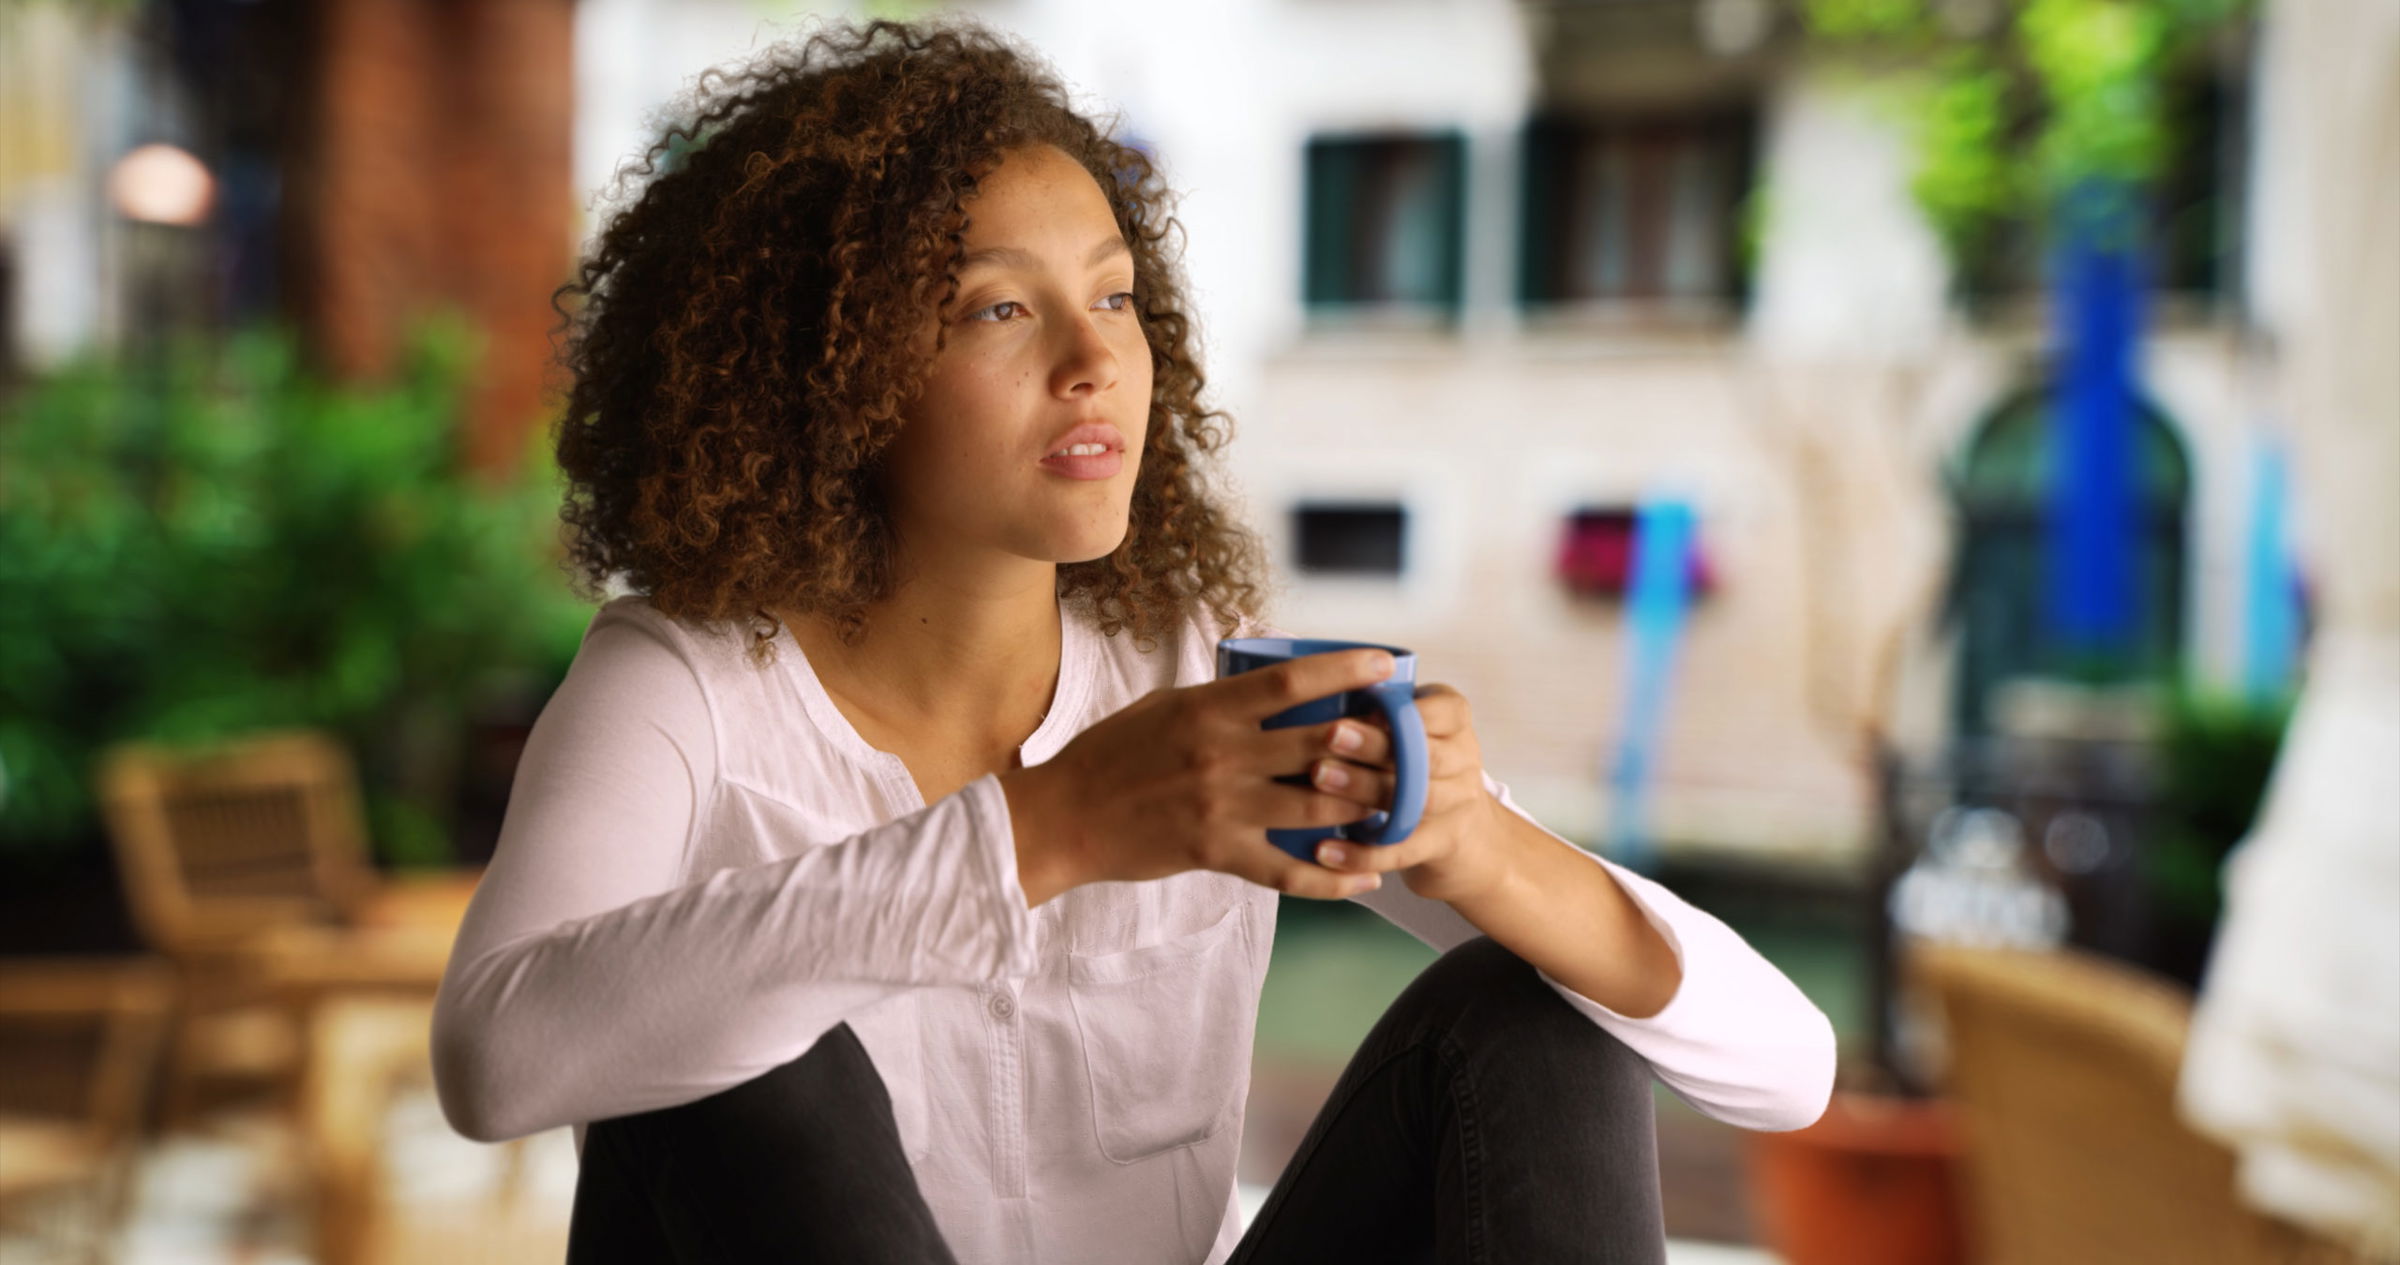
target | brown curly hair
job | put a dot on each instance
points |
(745, 340)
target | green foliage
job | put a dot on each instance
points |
(2218, 751)
(2076, 85)
(215, 541)
(1751, 218)
(1867, 19)
(2096, 63)
(1964, 178)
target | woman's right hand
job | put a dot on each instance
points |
(1183, 779)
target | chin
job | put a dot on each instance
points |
(1092, 550)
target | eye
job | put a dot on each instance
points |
(993, 307)
(1126, 295)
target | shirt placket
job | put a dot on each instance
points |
(1004, 1027)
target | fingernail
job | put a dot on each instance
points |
(1381, 663)
(1345, 738)
(1331, 777)
(1333, 854)
(1367, 884)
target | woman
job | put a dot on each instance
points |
(887, 881)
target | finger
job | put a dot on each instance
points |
(1356, 783)
(1262, 692)
(1265, 864)
(1308, 742)
(1287, 807)
(1379, 788)
(1444, 761)
(1443, 711)
(1301, 878)
(1351, 857)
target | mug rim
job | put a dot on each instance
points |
(1285, 647)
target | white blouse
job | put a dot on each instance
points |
(704, 867)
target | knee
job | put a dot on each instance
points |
(1483, 981)
(1486, 998)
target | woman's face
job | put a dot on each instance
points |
(1043, 337)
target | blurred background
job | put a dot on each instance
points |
(1919, 477)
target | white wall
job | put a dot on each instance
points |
(1491, 436)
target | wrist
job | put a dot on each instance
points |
(1048, 862)
(1492, 864)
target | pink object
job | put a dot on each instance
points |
(704, 867)
(1595, 555)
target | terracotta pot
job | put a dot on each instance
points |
(1872, 1183)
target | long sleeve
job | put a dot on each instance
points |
(1738, 1041)
(589, 981)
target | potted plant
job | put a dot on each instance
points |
(1873, 1182)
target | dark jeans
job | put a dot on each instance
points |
(1482, 1120)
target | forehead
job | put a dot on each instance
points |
(1036, 190)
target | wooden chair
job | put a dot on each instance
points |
(2064, 1066)
(80, 1040)
(368, 1051)
(235, 857)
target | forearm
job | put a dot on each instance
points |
(663, 997)
(1048, 860)
(1570, 918)
(624, 1013)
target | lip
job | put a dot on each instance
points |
(1086, 433)
(1100, 465)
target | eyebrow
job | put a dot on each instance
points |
(1013, 257)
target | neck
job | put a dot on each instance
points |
(980, 668)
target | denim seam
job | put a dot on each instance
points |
(1470, 1146)
(1261, 1227)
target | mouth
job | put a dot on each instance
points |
(1085, 464)
(1086, 441)
(1090, 450)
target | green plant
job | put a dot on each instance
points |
(2217, 752)
(214, 541)
(2076, 86)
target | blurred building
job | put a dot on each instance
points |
(174, 167)
(1475, 278)
(1479, 276)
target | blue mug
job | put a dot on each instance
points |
(1395, 697)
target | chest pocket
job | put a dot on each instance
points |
(1166, 1032)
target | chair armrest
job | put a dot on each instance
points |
(437, 899)
(303, 961)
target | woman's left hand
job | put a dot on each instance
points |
(1455, 851)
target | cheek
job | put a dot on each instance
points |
(966, 391)
(950, 433)
(1138, 371)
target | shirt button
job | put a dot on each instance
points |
(1003, 1005)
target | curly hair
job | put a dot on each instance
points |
(746, 338)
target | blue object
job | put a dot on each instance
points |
(2090, 539)
(2271, 615)
(1395, 697)
(1658, 599)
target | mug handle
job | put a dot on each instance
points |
(1399, 707)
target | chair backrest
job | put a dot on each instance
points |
(80, 1039)
(2064, 1065)
(212, 843)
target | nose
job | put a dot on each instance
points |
(1087, 365)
